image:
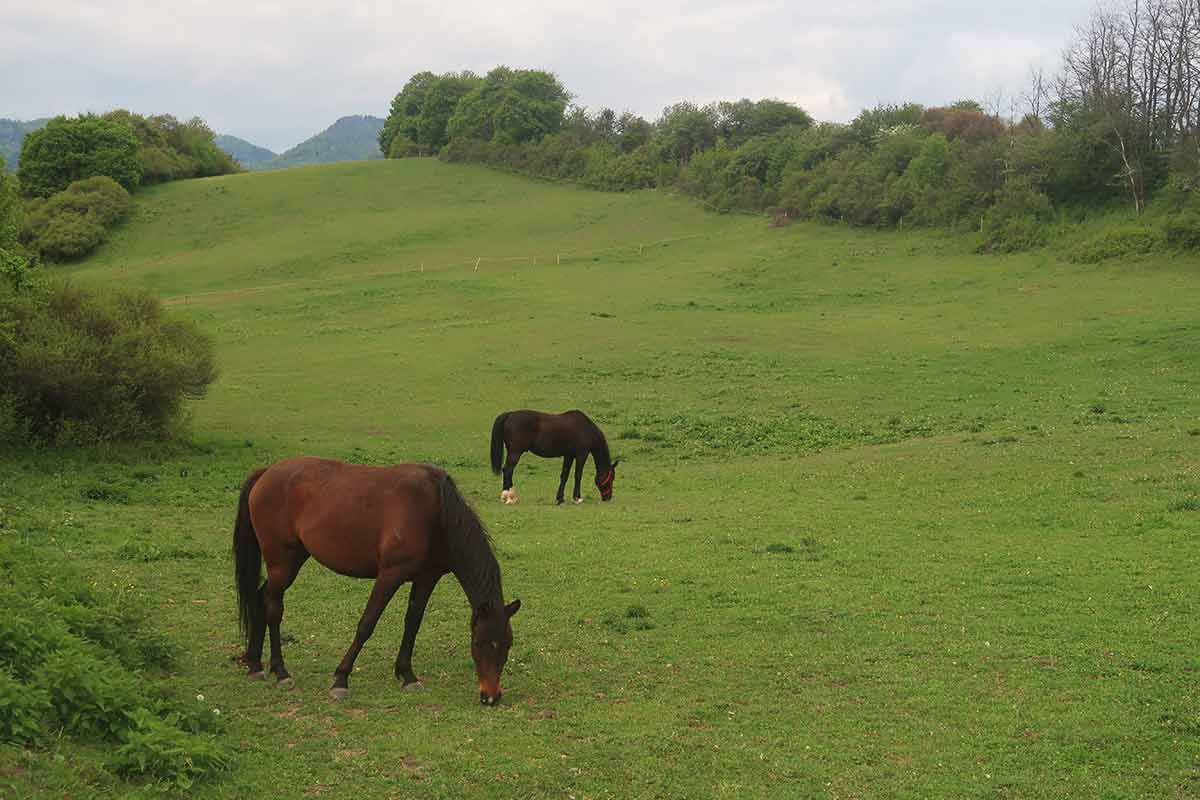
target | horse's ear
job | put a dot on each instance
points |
(512, 608)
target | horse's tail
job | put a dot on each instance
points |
(498, 442)
(247, 560)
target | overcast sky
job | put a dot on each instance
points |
(275, 73)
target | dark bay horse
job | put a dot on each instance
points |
(393, 524)
(570, 435)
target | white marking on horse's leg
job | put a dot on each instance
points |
(504, 495)
(578, 501)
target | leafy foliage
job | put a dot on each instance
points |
(421, 110)
(72, 149)
(84, 366)
(74, 661)
(510, 106)
(172, 150)
(74, 222)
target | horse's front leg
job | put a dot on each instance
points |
(418, 597)
(579, 462)
(385, 586)
(562, 481)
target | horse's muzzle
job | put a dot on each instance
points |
(488, 700)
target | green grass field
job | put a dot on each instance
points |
(894, 520)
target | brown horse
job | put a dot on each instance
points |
(393, 524)
(570, 435)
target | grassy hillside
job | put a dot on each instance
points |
(895, 520)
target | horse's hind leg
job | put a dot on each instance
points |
(385, 586)
(279, 577)
(418, 598)
(509, 495)
(562, 480)
(254, 643)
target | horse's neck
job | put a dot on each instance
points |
(479, 577)
(601, 456)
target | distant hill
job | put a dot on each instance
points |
(249, 155)
(12, 133)
(349, 139)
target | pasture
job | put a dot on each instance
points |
(893, 519)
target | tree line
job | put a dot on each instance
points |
(1116, 127)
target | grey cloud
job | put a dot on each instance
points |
(275, 73)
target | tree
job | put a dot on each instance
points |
(511, 106)
(743, 120)
(68, 150)
(420, 111)
(683, 130)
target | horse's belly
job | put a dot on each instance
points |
(353, 556)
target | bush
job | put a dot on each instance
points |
(82, 366)
(1117, 243)
(1183, 230)
(22, 710)
(71, 663)
(159, 748)
(403, 147)
(74, 222)
(1017, 221)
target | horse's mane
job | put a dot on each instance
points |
(470, 546)
(600, 451)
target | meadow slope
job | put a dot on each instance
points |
(895, 520)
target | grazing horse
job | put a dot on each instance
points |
(570, 435)
(393, 524)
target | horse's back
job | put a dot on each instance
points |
(350, 517)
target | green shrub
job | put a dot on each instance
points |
(75, 222)
(1183, 230)
(160, 748)
(23, 710)
(70, 664)
(1119, 242)
(403, 147)
(82, 366)
(89, 695)
(1016, 221)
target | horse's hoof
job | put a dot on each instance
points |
(415, 686)
(257, 676)
(285, 684)
(338, 693)
(511, 500)
(578, 501)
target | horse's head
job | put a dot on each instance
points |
(605, 482)
(491, 637)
